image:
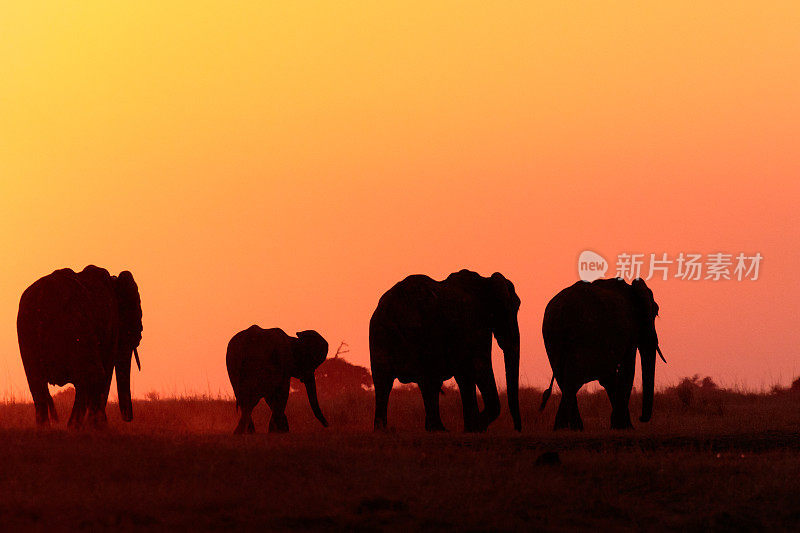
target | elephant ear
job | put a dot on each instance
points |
(644, 299)
(130, 310)
(502, 295)
(312, 350)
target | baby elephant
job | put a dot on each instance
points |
(260, 364)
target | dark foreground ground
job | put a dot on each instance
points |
(717, 461)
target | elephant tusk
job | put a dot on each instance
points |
(139, 365)
(658, 349)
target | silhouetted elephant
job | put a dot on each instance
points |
(79, 329)
(427, 331)
(260, 364)
(591, 332)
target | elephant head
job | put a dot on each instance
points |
(503, 307)
(130, 334)
(310, 351)
(647, 311)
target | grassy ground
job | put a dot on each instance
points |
(709, 459)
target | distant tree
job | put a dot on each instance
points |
(708, 384)
(685, 391)
(336, 375)
(795, 385)
(689, 387)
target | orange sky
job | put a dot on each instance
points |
(286, 165)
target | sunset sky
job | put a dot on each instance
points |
(285, 166)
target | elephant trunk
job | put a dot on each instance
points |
(311, 390)
(511, 356)
(648, 382)
(123, 371)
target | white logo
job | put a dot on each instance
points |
(591, 266)
(716, 266)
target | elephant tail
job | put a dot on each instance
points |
(52, 408)
(546, 394)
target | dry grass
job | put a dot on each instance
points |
(709, 459)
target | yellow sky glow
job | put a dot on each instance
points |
(285, 165)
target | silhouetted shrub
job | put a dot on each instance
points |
(337, 376)
(684, 391)
(702, 395)
(794, 388)
(153, 396)
(707, 383)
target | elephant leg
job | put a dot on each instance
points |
(611, 391)
(430, 397)
(469, 403)
(52, 407)
(383, 387)
(562, 416)
(278, 423)
(245, 425)
(96, 402)
(78, 408)
(620, 418)
(568, 415)
(106, 389)
(575, 419)
(622, 406)
(491, 399)
(99, 419)
(623, 419)
(41, 402)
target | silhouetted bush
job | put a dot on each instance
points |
(337, 376)
(794, 388)
(702, 395)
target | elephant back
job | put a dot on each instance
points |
(584, 315)
(101, 301)
(416, 321)
(65, 320)
(254, 357)
(404, 311)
